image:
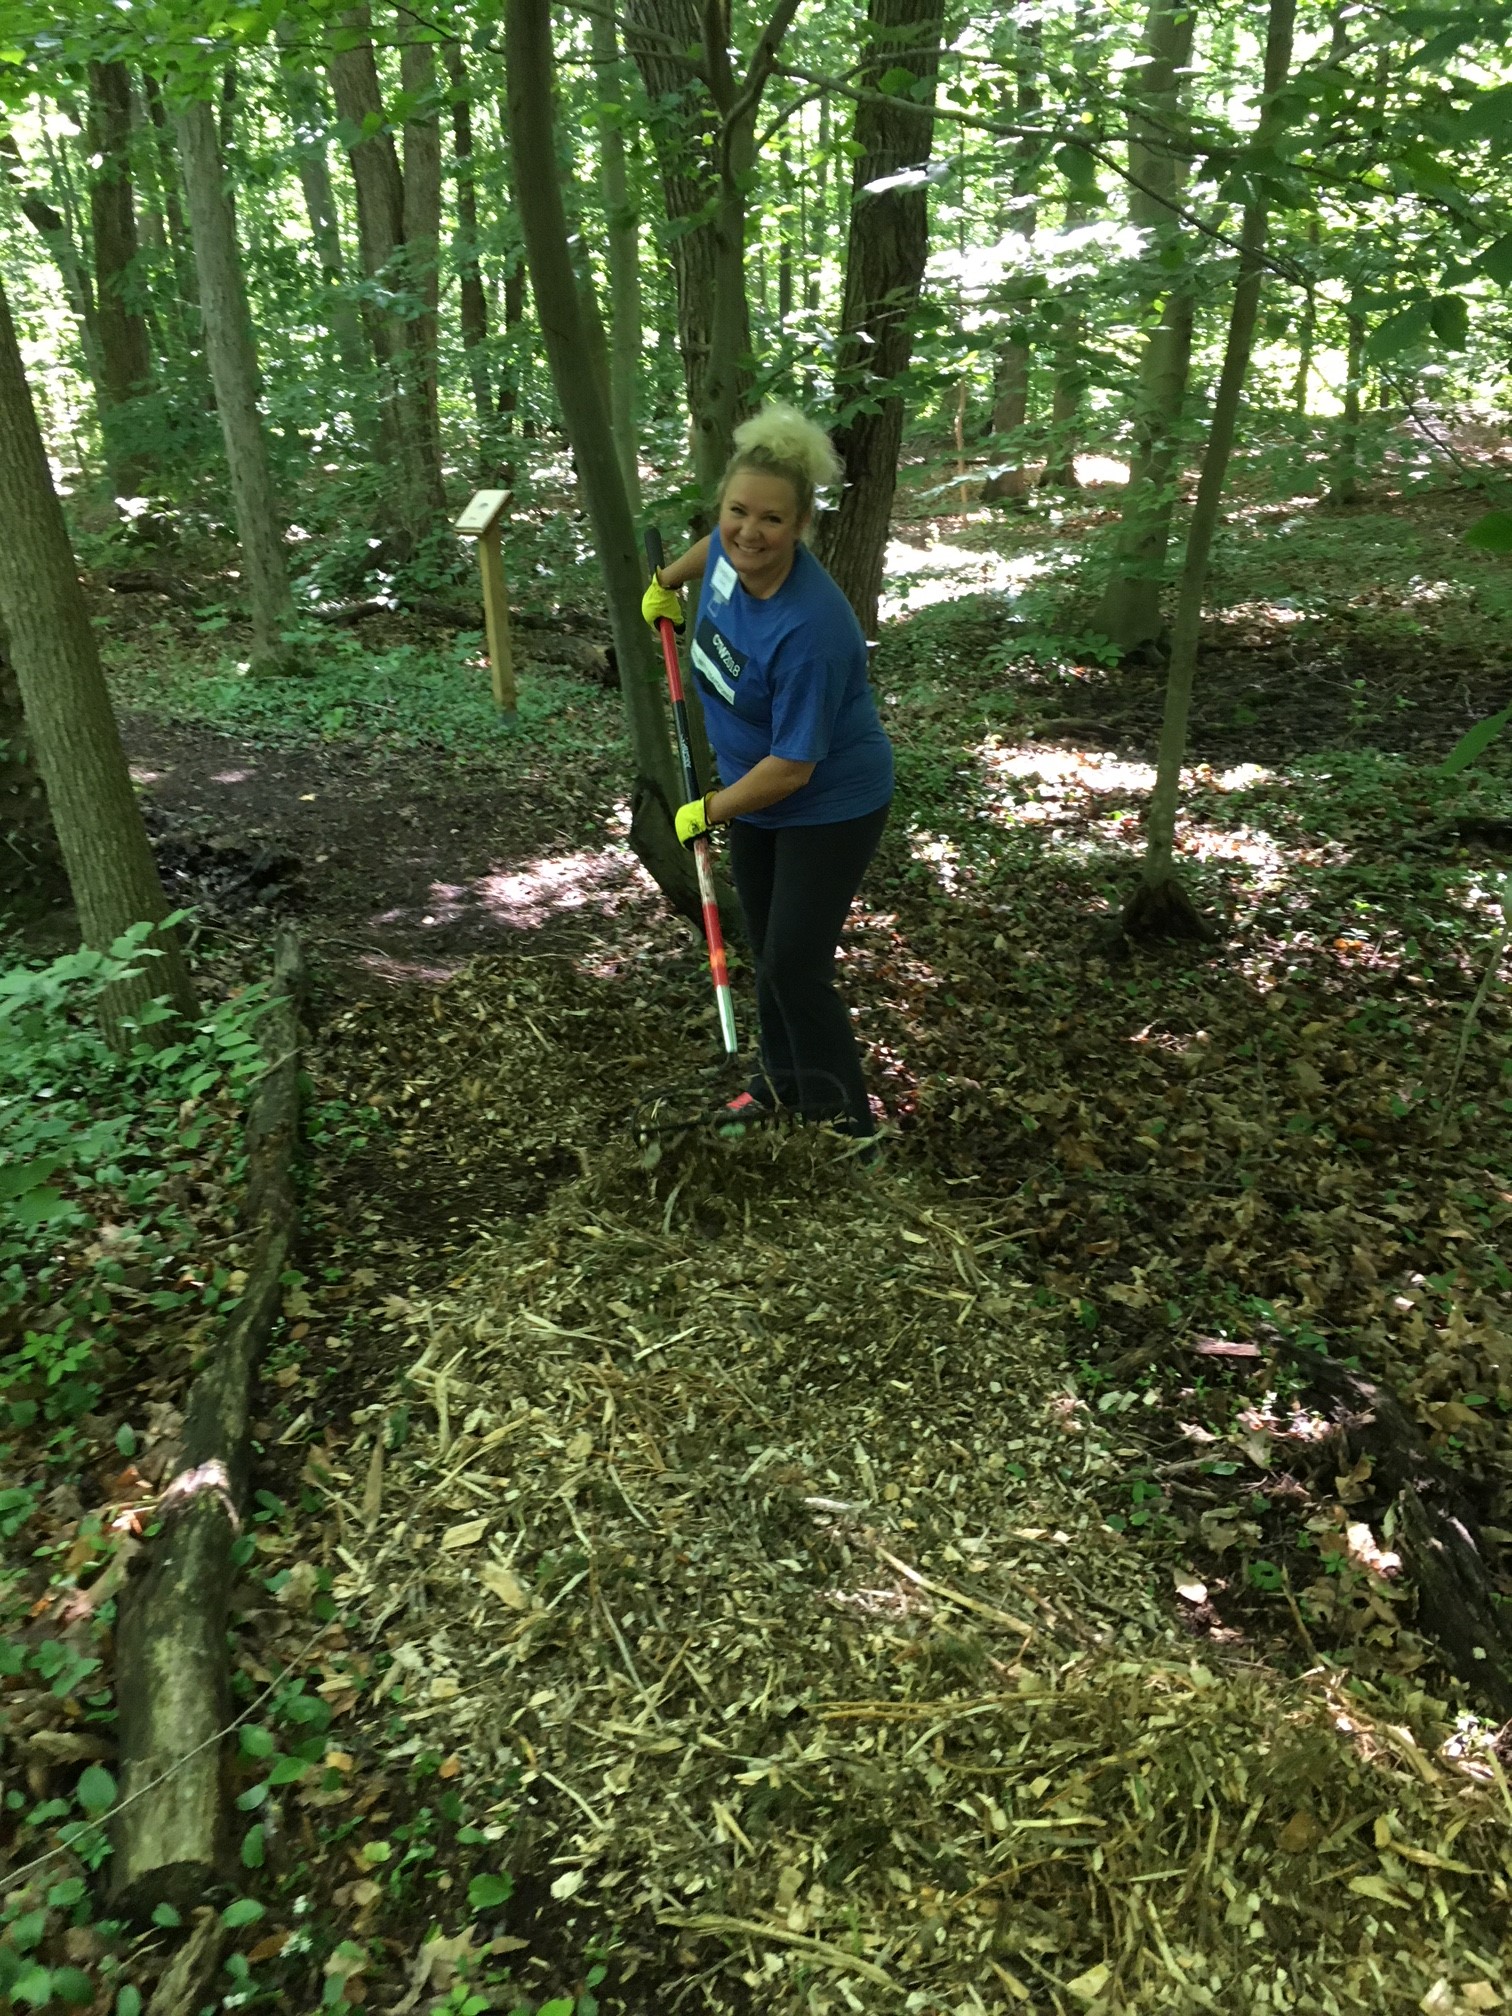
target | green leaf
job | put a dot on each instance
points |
(896, 82)
(97, 1791)
(1078, 167)
(1449, 315)
(166, 1916)
(252, 1853)
(125, 1440)
(63, 1896)
(1493, 533)
(486, 1893)
(1487, 115)
(72, 1984)
(256, 1741)
(1496, 261)
(245, 1911)
(287, 1771)
(34, 1985)
(1473, 744)
(1405, 330)
(561, 2006)
(129, 2001)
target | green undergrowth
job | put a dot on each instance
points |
(407, 697)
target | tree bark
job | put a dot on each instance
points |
(1129, 612)
(401, 345)
(1344, 483)
(307, 117)
(622, 226)
(125, 359)
(52, 228)
(168, 175)
(422, 253)
(234, 374)
(884, 270)
(31, 866)
(1010, 409)
(559, 309)
(111, 871)
(473, 298)
(1160, 907)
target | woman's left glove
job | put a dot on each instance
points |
(692, 820)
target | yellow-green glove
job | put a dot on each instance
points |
(692, 820)
(658, 603)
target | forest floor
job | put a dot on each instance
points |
(698, 1575)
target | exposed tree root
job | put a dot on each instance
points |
(172, 1681)
(1165, 911)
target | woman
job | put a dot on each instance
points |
(806, 769)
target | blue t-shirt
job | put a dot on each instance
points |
(787, 677)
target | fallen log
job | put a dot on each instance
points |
(172, 1681)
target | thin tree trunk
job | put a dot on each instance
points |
(1307, 334)
(786, 232)
(1010, 410)
(410, 440)
(168, 176)
(307, 117)
(818, 248)
(422, 257)
(125, 359)
(473, 297)
(111, 871)
(1161, 906)
(233, 371)
(1129, 611)
(511, 371)
(884, 269)
(622, 227)
(52, 228)
(1070, 381)
(538, 194)
(1344, 486)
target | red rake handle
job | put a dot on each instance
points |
(713, 935)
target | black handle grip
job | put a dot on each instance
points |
(654, 551)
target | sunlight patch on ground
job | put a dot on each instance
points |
(140, 774)
(232, 776)
(603, 880)
(1091, 469)
(941, 572)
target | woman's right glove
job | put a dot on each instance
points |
(660, 604)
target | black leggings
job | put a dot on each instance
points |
(796, 885)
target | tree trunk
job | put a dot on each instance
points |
(622, 225)
(125, 360)
(168, 176)
(31, 867)
(1344, 485)
(1010, 408)
(539, 197)
(52, 228)
(884, 268)
(233, 371)
(685, 136)
(1070, 382)
(111, 871)
(307, 117)
(1129, 611)
(422, 255)
(1161, 907)
(1307, 334)
(407, 409)
(473, 299)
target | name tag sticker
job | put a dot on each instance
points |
(724, 579)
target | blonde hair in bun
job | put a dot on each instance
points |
(781, 441)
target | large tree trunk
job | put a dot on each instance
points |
(1160, 906)
(403, 341)
(234, 373)
(585, 415)
(111, 871)
(1129, 611)
(622, 225)
(884, 268)
(31, 866)
(1010, 407)
(473, 298)
(125, 360)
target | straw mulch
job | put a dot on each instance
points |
(737, 1509)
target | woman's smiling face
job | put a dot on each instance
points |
(759, 529)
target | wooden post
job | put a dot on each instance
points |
(483, 520)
